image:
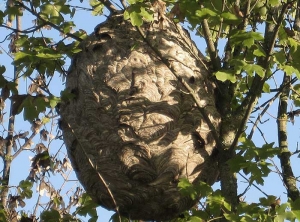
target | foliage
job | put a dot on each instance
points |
(253, 49)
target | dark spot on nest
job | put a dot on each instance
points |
(75, 91)
(103, 36)
(97, 47)
(192, 80)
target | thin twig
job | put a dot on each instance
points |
(99, 175)
(249, 102)
(262, 113)
(45, 22)
(253, 185)
(25, 31)
(28, 142)
(253, 129)
(111, 8)
(212, 49)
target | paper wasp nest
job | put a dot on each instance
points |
(133, 130)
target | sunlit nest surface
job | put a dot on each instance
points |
(132, 128)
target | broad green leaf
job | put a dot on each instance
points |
(253, 68)
(203, 189)
(267, 201)
(97, 7)
(195, 219)
(184, 183)
(136, 19)
(22, 55)
(2, 70)
(3, 215)
(50, 216)
(295, 205)
(126, 15)
(131, 2)
(227, 205)
(53, 101)
(245, 38)
(67, 96)
(148, 16)
(280, 57)
(274, 2)
(294, 44)
(200, 214)
(87, 207)
(115, 218)
(237, 163)
(232, 217)
(266, 88)
(48, 55)
(186, 188)
(45, 120)
(289, 70)
(259, 51)
(227, 16)
(1, 16)
(224, 76)
(205, 12)
(237, 65)
(25, 184)
(25, 189)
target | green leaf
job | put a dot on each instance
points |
(205, 13)
(2, 70)
(295, 205)
(136, 19)
(228, 16)
(259, 51)
(253, 68)
(195, 219)
(224, 76)
(131, 2)
(237, 163)
(115, 218)
(97, 7)
(232, 217)
(267, 201)
(1, 16)
(22, 55)
(266, 88)
(148, 16)
(289, 70)
(187, 189)
(67, 96)
(88, 206)
(3, 215)
(274, 2)
(50, 216)
(25, 184)
(247, 39)
(53, 101)
(48, 55)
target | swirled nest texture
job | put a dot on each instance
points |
(133, 130)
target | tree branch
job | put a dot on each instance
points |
(284, 156)
(215, 59)
(49, 23)
(111, 8)
(26, 31)
(11, 127)
(249, 102)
